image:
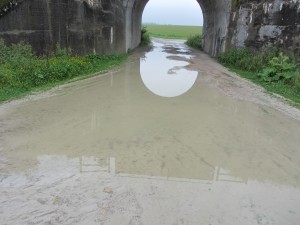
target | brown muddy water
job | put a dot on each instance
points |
(171, 137)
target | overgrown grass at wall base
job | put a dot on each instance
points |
(145, 37)
(282, 88)
(195, 42)
(273, 70)
(21, 71)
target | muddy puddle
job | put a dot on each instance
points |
(173, 144)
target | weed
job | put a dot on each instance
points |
(62, 52)
(280, 68)
(145, 37)
(129, 51)
(21, 71)
(247, 59)
(271, 69)
(195, 41)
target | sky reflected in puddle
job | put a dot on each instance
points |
(166, 77)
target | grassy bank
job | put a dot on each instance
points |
(269, 68)
(281, 88)
(22, 72)
(173, 31)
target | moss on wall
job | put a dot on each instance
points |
(234, 3)
(3, 3)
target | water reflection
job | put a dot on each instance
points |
(164, 76)
(203, 152)
(90, 185)
(56, 167)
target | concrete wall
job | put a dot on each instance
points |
(134, 11)
(86, 26)
(264, 23)
(216, 15)
(99, 26)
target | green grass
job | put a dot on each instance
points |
(10, 93)
(269, 68)
(22, 72)
(173, 31)
(195, 42)
(145, 37)
(281, 88)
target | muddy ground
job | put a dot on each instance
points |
(171, 137)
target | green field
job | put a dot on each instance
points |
(173, 31)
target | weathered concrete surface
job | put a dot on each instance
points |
(7, 5)
(88, 26)
(216, 15)
(83, 26)
(269, 22)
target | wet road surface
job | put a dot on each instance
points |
(169, 138)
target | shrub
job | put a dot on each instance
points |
(296, 78)
(62, 52)
(3, 51)
(7, 77)
(195, 42)
(16, 54)
(145, 37)
(280, 68)
(21, 70)
(275, 71)
(246, 59)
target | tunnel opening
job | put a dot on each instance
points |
(216, 18)
(173, 19)
(173, 12)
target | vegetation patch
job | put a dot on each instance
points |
(173, 31)
(145, 37)
(4, 3)
(22, 72)
(234, 3)
(195, 41)
(276, 72)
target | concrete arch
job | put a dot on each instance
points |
(216, 15)
(105, 26)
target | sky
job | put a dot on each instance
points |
(175, 12)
